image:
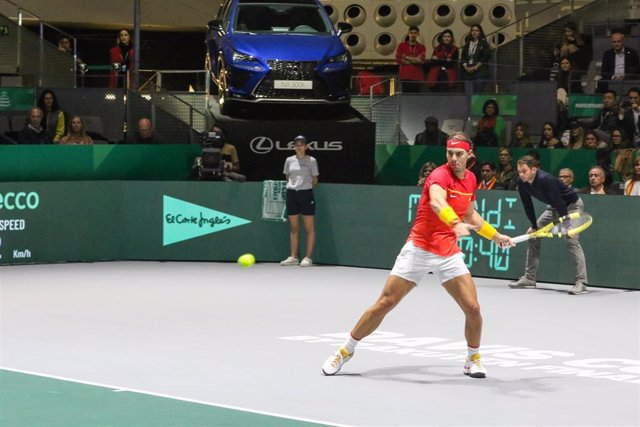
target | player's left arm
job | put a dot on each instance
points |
(485, 229)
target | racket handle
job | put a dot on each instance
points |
(520, 239)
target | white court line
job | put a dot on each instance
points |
(167, 396)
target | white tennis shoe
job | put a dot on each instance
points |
(306, 262)
(290, 261)
(333, 364)
(474, 368)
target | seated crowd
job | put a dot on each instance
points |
(613, 133)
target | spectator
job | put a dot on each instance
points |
(489, 180)
(567, 78)
(623, 149)
(609, 117)
(490, 129)
(444, 62)
(475, 58)
(145, 133)
(597, 177)
(301, 171)
(632, 185)
(64, 45)
(568, 82)
(229, 158)
(619, 139)
(410, 56)
(573, 138)
(576, 47)
(549, 137)
(53, 119)
(521, 135)
(603, 152)
(425, 171)
(631, 114)
(77, 134)
(620, 62)
(566, 177)
(121, 59)
(506, 174)
(432, 135)
(33, 132)
(593, 142)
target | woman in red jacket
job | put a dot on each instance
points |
(121, 54)
(444, 61)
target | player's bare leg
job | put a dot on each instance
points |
(394, 290)
(463, 291)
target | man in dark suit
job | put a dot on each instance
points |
(432, 134)
(618, 63)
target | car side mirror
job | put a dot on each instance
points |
(215, 25)
(344, 27)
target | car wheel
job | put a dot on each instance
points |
(223, 90)
(213, 87)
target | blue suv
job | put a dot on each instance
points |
(283, 51)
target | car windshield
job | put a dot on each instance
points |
(278, 18)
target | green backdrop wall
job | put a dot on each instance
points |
(357, 225)
(400, 164)
(395, 164)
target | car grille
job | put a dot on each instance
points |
(292, 70)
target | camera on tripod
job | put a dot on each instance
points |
(209, 166)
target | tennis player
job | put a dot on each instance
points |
(560, 200)
(445, 213)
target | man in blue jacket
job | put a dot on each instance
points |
(560, 199)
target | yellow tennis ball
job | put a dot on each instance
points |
(246, 260)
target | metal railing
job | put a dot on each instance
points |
(192, 108)
(49, 66)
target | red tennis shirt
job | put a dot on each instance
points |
(428, 231)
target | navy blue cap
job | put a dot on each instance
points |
(300, 138)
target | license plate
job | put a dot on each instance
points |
(293, 84)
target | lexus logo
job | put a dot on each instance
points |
(264, 145)
(261, 145)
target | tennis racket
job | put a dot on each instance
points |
(567, 226)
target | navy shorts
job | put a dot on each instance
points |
(300, 202)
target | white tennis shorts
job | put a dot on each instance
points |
(414, 263)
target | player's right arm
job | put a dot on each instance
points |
(438, 202)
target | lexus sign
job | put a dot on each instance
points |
(264, 145)
(345, 150)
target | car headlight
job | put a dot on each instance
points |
(343, 57)
(241, 57)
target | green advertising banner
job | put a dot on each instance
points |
(362, 226)
(584, 105)
(16, 98)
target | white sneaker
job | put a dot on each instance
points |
(306, 262)
(290, 261)
(579, 288)
(474, 368)
(335, 361)
(523, 283)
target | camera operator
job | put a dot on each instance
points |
(227, 165)
(230, 159)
